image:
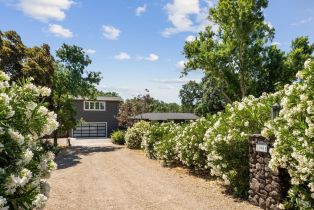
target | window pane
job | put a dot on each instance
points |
(102, 106)
(86, 104)
(97, 105)
(91, 105)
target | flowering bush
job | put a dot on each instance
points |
(165, 148)
(134, 135)
(118, 137)
(226, 142)
(25, 161)
(294, 132)
(188, 143)
(150, 138)
(157, 132)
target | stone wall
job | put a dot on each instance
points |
(266, 187)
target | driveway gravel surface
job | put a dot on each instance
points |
(95, 174)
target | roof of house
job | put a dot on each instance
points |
(102, 98)
(165, 116)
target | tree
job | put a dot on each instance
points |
(19, 61)
(132, 107)
(71, 79)
(142, 104)
(201, 98)
(301, 50)
(109, 94)
(190, 95)
(231, 55)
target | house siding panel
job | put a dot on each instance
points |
(109, 115)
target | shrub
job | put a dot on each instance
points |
(134, 135)
(188, 143)
(226, 142)
(157, 132)
(25, 161)
(118, 137)
(294, 132)
(165, 148)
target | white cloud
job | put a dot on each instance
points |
(152, 57)
(60, 31)
(110, 32)
(186, 16)
(45, 10)
(276, 43)
(180, 64)
(140, 10)
(171, 81)
(122, 56)
(90, 51)
(304, 21)
(190, 38)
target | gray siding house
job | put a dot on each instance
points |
(98, 117)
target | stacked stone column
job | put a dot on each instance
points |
(265, 189)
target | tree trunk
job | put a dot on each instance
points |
(226, 97)
(55, 138)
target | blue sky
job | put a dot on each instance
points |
(137, 44)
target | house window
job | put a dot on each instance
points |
(102, 106)
(86, 105)
(94, 106)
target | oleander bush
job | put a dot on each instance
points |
(117, 137)
(220, 143)
(294, 146)
(189, 142)
(165, 148)
(226, 142)
(134, 135)
(157, 132)
(154, 134)
(25, 159)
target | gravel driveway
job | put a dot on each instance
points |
(95, 174)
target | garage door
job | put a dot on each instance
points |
(91, 129)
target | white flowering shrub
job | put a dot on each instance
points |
(25, 161)
(134, 135)
(226, 142)
(294, 146)
(165, 148)
(189, 143)
(154, 134)
(157, 132)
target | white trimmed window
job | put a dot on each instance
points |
(94, 105)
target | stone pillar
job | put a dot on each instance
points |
(265, 189)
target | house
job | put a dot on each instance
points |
(161, 117)
(98, 117)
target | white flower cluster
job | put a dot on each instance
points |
(40, 201)
(294, 132)
(156, 140)
(23, 121)
(189, 144)
(3, 203)
(20, 180)
(38, 91)
(226, 143)
(134, 135)
(165, 148)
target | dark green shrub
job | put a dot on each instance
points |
(118, 137)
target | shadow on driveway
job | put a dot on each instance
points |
(71, 156)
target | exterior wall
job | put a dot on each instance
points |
(109, 115)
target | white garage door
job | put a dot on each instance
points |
(91, 129)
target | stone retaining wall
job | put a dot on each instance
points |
(266, 187)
